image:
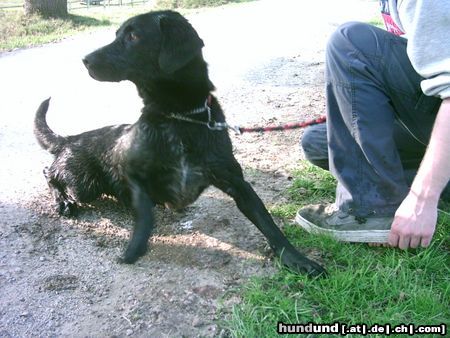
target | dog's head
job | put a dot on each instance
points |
(152, 45)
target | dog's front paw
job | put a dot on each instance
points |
(67, 209)
(132, 254)
(300, 264)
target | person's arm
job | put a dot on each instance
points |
(415, 220)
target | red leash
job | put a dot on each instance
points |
(288, 126)
(214, 125)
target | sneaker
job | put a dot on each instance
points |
(328, 219)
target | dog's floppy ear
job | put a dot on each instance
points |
(180, 43)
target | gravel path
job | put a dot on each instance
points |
(59, 277)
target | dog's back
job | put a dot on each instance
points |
(86, 165)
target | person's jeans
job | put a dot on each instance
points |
(374, 107)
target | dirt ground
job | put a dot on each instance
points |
(60, 277)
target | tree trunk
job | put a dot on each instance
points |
(53, 8)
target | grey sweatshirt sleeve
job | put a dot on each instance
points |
(427, 25)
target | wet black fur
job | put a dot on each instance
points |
(157, 160)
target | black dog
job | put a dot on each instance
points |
(177, 148)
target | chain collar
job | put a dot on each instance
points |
(211, 124)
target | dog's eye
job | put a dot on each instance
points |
(132, 36)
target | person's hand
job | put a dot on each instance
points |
(415, 220)
(414, 223)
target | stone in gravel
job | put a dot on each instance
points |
(197, 322)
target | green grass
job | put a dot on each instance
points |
(311, 185)
(18, 30)
(365, 285)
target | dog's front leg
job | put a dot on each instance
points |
(143, 226)
(253, 208)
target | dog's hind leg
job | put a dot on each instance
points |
(65, 205)
(253, 208)
(143, 226)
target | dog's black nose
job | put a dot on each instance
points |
(86, 62)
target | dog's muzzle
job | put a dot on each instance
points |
(103, 66)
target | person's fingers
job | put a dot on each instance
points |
(425, 241)
(415, 242)
(403, 242)
(393, 238)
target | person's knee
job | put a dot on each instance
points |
(350, 37)
(314, 145)
(309, 142)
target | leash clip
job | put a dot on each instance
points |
(236, 129)
(219, 126)
(213, 125)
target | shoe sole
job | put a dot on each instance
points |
(359, 236)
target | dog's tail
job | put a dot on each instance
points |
(46, 137)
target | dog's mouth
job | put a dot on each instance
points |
(92, 73)
(100, 69)
(102, 73)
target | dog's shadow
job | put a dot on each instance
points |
(211, 233)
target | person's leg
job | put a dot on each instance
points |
(370, 83)
(314, 145)
(315, 148)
